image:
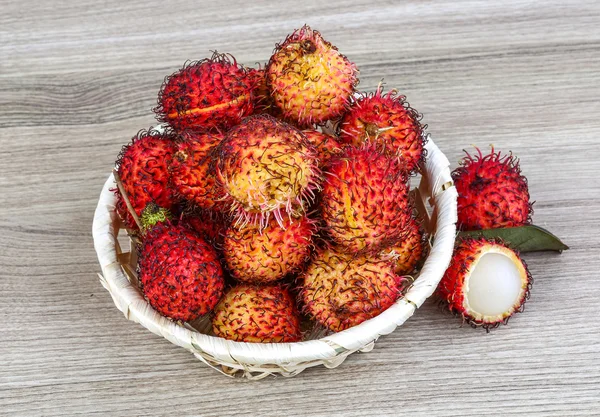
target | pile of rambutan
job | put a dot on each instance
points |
(271, 198)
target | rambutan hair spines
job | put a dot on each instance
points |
(215, 92)
(387, 121)
(267, 167)
(492, 191)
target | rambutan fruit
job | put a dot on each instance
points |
(260, 256)
(340, 290)
(309, 80)
(409, 251)
(486, 282)
(325, 145)
(212, 93)
(142, 168)
(260, 314)
(263, 103)
(364, 202)
(192, 172)
(492, 192)
(267, 167)
(209, 224)
(180, 272)
(387, 121)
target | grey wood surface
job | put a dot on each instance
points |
(78, 79)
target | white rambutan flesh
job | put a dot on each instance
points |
(486, 282)
(495, 285)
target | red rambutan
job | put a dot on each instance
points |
(340, 290)
(180, 272)
(192, 172)
(326, 145)
(260, 314)
(387, 121)
(364, 202)
(409, 251)
(259, 256)
(207, 94)
(209, 224)
(492, 192)
(309, 80)
(486, 282)
(142, 167)
(267, 167)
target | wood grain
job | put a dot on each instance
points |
(78, 80)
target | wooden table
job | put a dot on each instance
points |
(78, 79)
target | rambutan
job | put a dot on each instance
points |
(262, 314)
(309, 80)
(326, 145)
(387, 121)
(259, 256)
(213, 93)
(492, 192)
(340, 290)
(142, 168)
(486, 282)
(180, 272)
(364, 202)
(192, 172)
(267, 167)
(209, 224)
(409, 251)
(263, 103)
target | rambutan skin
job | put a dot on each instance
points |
(452, 288)
(192, 172)
(410, 250)
(260, 314)
(364, 202)
(326, 145)
(213, 93)
(180, 272)
(267, 167)
(309, 80)
(387, 121)
(209, 224)
(492, 192)
(263, 102)
(340, 290)
(143, 169)
(260, 256)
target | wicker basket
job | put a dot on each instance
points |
(255, 360)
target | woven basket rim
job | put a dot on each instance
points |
(286, 358)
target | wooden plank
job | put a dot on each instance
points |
(77, 83)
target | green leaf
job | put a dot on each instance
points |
(524, 238)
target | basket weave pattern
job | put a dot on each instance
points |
(256, 360)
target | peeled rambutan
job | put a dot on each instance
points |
(409, 251)
(180, 272)
(212, 93)
(309, 80)
(260, 314)
(387, 121)
(267, 167)
(364, 203)
(492, 192)
(259, 256)
(142, 167)
(192, 172)
(486, 282)
(326, 145)
(340, 290)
